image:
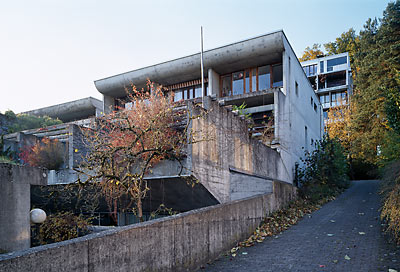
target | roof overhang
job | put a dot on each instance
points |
(70, 111)
(248, 53)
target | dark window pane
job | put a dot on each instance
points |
(226, 86)
(277, 76)
(237, 83)
(321, 66)
(263, 78)
(333, 62)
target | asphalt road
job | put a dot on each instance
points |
(344, 235)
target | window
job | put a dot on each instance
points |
(189, 92)
(226, 85)
(305, 139)
(297, 88)
(197, 91)
(277, 75)
(238, 83)
(315, 107)
(264, 80)
(324, 100)
(310, 70)
(333, 62)
(334, 99)
(343, 97)
(254, 79)
(312, 101)
(178, 95)
(185, 94)
(325, 115)
(321, 66)
(247, 81)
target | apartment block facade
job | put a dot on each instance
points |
(264, 74)
(331, 79)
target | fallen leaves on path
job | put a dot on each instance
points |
(279, 221)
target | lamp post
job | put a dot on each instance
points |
(37, 216)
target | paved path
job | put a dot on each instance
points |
(321, 241)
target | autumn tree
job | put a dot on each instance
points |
(46, 153)
(127, 143)
(312, 53)
(338, 125)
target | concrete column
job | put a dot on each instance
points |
(15, 204)
(108, 104)
(285, 72)
(213, 83)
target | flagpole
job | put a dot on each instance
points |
(202, 66)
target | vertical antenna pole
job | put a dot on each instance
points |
(202, 66)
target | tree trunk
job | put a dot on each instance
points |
(140, 209)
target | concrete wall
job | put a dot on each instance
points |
(295, 112)
(229, 146)
(15, 182)
(178, 243)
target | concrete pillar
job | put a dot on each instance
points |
(15, 204)
(213, 83)
(108, 104)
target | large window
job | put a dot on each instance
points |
(333, 62)
(238, 83)
(264, 78)
(277, 75)
(252, 80)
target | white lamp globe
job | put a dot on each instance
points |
(37, 216)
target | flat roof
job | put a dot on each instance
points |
(251, 52)
(70, 111)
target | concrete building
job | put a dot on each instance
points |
(262, 72)
(331, 79)
(71, 111)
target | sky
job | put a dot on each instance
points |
(51, 51)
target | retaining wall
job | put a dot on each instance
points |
(181, 242)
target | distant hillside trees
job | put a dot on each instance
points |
(12, 122)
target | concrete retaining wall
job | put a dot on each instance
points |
(178, 243)
(15, 204)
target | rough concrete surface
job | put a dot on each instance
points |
(348, 226)
(15, 182)
(181, 242)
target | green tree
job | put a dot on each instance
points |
(312, 53)
(324, 172)
(376, 79)
(22, 121)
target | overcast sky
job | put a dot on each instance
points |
(53, 50)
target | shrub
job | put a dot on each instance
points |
(324, 173)
(391, 199)
(45, 153)
(62, 226)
